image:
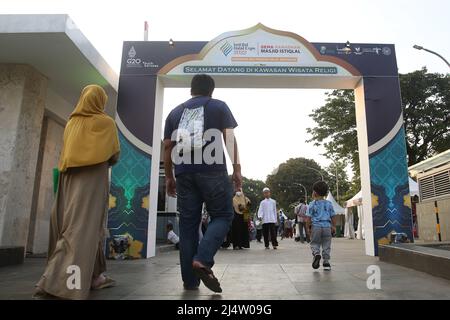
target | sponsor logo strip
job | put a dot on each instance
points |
(263, 59)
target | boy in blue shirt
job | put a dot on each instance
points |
(321, 216)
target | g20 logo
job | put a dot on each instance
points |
(134, 61)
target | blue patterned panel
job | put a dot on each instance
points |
(390, 191)
(128, 201)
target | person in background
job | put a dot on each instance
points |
(239, 228)
(258, 225)
(322, 217)
(77, 223)
(288, 228)
(294, 228)
(252, 229)
(226, 241)
(280, 224)
(300, 212)
(267, 212)
(193, 143)
(172, 236)
(247, 220)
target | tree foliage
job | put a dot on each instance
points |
(253, 190)
(338, 169)
(336, 127)
(426, 110)
(284, 182)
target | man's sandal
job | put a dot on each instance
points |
(207, 276)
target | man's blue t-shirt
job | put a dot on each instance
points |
(321, 212)
(217, 115)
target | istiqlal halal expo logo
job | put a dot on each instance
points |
(226, 48)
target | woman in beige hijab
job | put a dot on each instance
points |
(239, 227)
(76, 262)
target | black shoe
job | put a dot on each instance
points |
(207, 276)
(326, 266)
(275, 248)
(316, 261)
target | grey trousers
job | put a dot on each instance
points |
(321, 237)
(303, 232)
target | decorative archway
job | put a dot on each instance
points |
(260, 57)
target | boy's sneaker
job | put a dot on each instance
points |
(316, 261)
(326, 266)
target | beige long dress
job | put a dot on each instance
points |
(77, 232)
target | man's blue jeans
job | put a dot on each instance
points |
(193, 189)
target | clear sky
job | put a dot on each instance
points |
(272, 123)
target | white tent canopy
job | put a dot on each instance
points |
(355, 201)
(413, 187)
(349, 230)
(337, 208)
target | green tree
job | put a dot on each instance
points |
(338, 168)
(354, 188)
(284, 182)
(336, 127)
(426, 110)
(426, 105)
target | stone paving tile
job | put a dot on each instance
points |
(162, 287)
(17, 296)
(247, 296)
(174, 297)
(261, 287)
(254, 274)
(419, 285)
(261, 277)
(321, 276)
(116, 292)
(411, 295)
(330, 288)
(347, 296)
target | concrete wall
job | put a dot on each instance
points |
(426, 219)
(22, 104)
(50, 149)
(57, 107)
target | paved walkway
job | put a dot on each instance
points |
(251, 274)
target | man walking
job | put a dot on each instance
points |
(193, 144)
(300, 211)
(267, 212)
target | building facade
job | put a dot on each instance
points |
(433, 177)
(45, 61)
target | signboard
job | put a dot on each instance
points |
(260, 53)
(265, 58)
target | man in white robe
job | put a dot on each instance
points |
(267, 212)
